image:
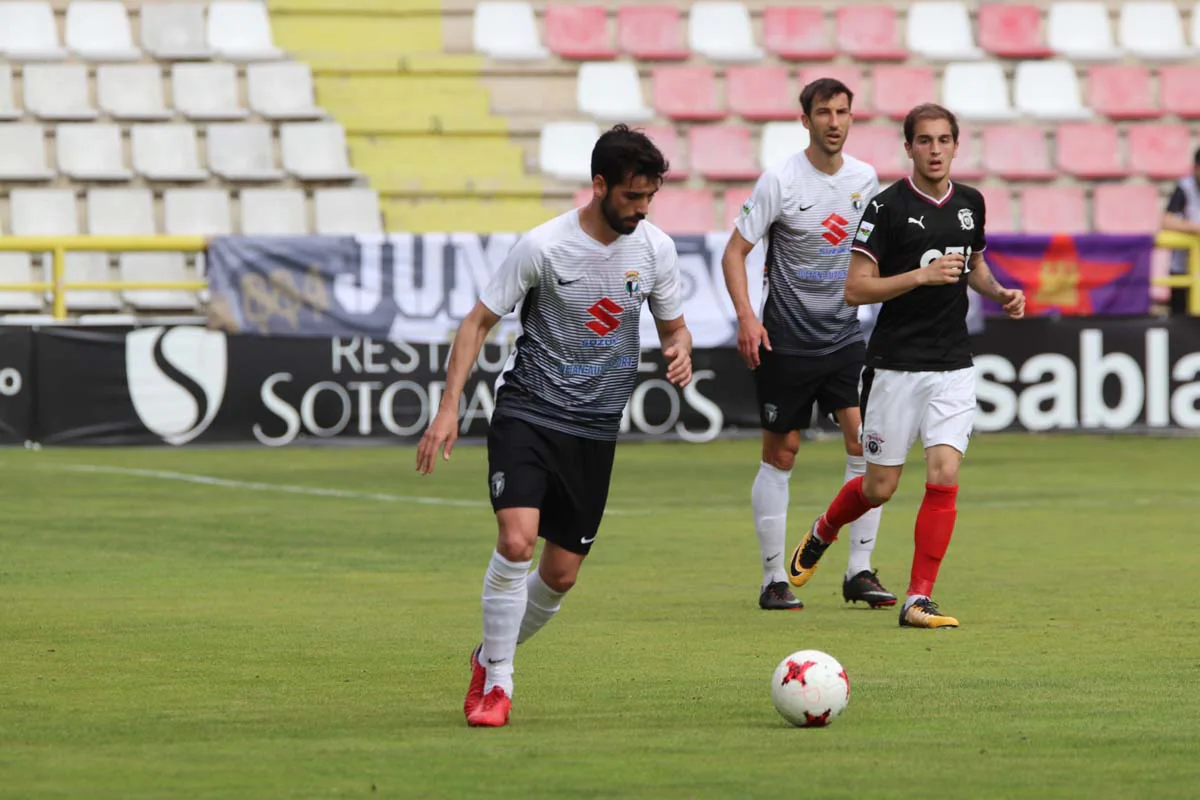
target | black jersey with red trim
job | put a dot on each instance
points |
(904, 229)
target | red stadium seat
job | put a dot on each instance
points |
(1161, 152)
(1122, 208)
(683, 211)
(732, 203)
(898, 89)
(583, 197)
(881, 146)
(667, 140)
(1089, 151)
(760, 93)
(968, 164)
(652, 33)
(1179, 90)
(869, 33)
(686, 92)
(998, 209)
(578, 32)
(1016, 152)
(1053, 209)
(798, 33)
(1012, 30)
(848, 74)
(723, 152)
(1121, 91)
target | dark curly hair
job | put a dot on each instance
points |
(621, 153)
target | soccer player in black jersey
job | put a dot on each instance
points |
(918, 247)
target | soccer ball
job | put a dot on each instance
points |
(810, 688)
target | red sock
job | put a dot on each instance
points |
(849, 505)
(935, 526)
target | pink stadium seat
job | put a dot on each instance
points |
(760, 93)
(798, 33)
(1012, 30)
(652, 33)
(998, 206)
(1179, 90)
(968, 164)
(848, 74)
(723, 152)
(667, 140)
(1053, 209)
(1161, 152)
(1121, 91)
(583, 197)
(732, 202)
(1016, 152)
(683, 211)
(869, 33)
(686, 92)
(1089, 151)
(881, 146)
(1122, 208)
(898, 89)
(578, 32)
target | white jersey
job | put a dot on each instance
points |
(809, 219)
(575, 361)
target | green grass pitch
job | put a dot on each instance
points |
(168, 638)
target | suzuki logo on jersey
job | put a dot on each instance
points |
(836, 234)
(933, 254)
(604, 321)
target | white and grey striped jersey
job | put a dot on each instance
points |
(809, 219)
(575, 360)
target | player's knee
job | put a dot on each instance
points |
(560, 580)
(943, 474)
(516, 542)
(878, 489)
(854, 448)
(782, 459)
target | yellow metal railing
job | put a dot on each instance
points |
(59, 246)
(1175, 240)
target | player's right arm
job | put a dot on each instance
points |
(865, 286)
(756, 218)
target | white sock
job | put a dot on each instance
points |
(503, 607)
(912, 598)
(769, 499)
(542, 604)
(864, 530)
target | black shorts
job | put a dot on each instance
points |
(787, 386)
(564, 476)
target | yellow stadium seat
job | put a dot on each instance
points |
(481, 216)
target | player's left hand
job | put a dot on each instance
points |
(679, 365)
(1013, 301)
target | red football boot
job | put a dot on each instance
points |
(478, 678)
(492, 711)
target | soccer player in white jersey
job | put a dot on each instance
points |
(580, 281)
(808, 347)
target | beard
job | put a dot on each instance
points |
(622, 225)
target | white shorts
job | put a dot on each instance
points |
(940, 406)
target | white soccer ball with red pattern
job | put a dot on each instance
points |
(810, 688)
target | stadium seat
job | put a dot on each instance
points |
(91, 152)
(99, 30)
(760, 93)
(582, 197)
(977, 91)
(207, 91)
(1153, 30)
(506, 30)
(52, 212)
(1053, 209)
(968, 164)
(242, 152)
(1121, 91)
(610, 91)
(173, 31)
(167, 152)
(23, 153)
(1089, 151)
(681, 212)
(780, 141)
(8, 108)
(346, 211)
(1160, 152)
(897, 89)
(851, 76)
(1048, 90)
(666, 139)
(131, 91)
(722, 152)
(28, 32)
(130, 212)
(18, 268)
(197, 212)
(1126, 208)
(881, 146)
(652, 33)
(686, 93)
(869, 33)
(1016, 152)
(58, 92)
(720, 30)
(998, 209)
(1012, 30)
(240, 30)
(798, 33)
(282, 90)
(578, 32)
(565, 149)
(1080, 30)
(940, 30)
(315, 151)
(273, 212)
(1179, 90)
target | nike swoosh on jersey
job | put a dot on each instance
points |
(561, 282)
(807, 207)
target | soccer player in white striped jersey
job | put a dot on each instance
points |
(580, 281)
(808, 347)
